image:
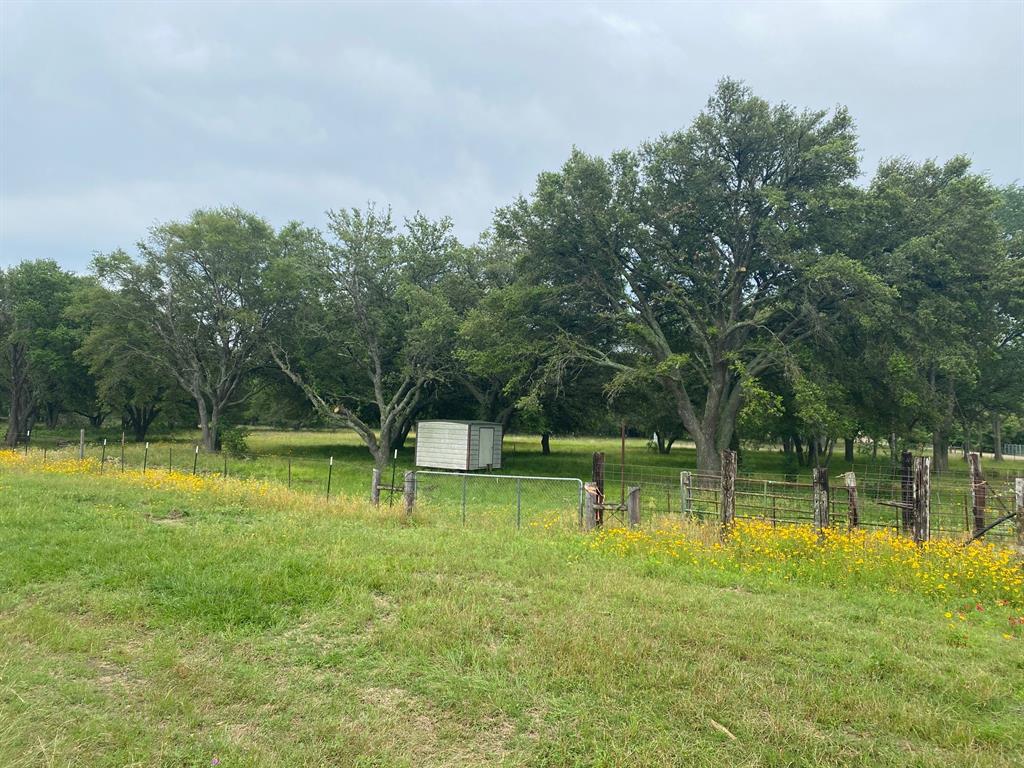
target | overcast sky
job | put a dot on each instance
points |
(114, 117)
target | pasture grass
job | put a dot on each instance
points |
(299, 460)
(570, 455)
(174, 622)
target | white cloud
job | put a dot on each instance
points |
(115, 116)
(106, 216)
(169, 48)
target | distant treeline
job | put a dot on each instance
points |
(728, 280)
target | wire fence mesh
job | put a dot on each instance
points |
(314, 475)
(496, 499)
(881, 498)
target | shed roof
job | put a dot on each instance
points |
(458, 421)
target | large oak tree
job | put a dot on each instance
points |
(373, 326)
(207, 291)
(704, 257)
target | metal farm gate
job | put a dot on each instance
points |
(518, 500)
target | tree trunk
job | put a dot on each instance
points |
(848, 449)
(787, 445)
(139, 418)
(940, 451)
(14, 420)
(139, 430)
(205, 426)
(734, 446)
(660, 442)
(403, 434)
(709, 460)
(713, 430)
(997, 437)
(505, 417)
(892, 448)
(812, 452)
(799, 446)
(874, 448)
(17, 416)
(381, 455)
(545, 443)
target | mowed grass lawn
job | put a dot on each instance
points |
(161, 627)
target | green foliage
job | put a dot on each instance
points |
(761, 410)
(931, 234)
(374, 324)
(235, 440)
(725, 280)
(39, 338)
(698, 257)
(204, 293)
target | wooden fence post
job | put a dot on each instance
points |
(589, 500)
(375, 488)
(907, 492)
(410, 493)
(820, 480)
(686, 493)
(728, 502)
(81, 444)
(978, 492)
(853, 512)
(922, 498)
(1019, 498)
(633, 505)
(597, 480)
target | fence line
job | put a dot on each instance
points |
(881, 499)
(959, 505)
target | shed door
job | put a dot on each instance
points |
(486, 446)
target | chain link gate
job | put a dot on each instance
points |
(520, 500)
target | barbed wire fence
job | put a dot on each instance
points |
(319, 476)
(959, 503)
(955, 504)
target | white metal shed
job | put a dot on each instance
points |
(458, 445)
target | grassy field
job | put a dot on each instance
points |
(300, 460)
(269, 450)
(174, 621)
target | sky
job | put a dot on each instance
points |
(114, 117)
